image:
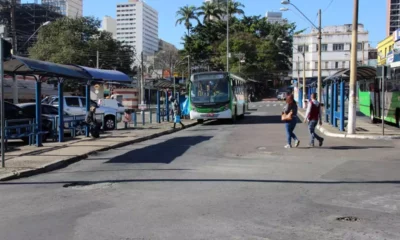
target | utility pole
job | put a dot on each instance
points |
(2, 119)
(14, 30)
(351, 126)
(142, 80)
(319, 87)
(304, 76)
(97, 59)
(227, 35)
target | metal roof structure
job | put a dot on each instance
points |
(26, 66)
(106, 75)
(363, 72)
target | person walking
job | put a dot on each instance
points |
(289, 116)
(177, 112)
(314, 116)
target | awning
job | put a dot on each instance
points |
(363, 72)
(106, 75)
(26, 66)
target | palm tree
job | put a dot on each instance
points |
(186, 14)
(233, 6)
(210, 10)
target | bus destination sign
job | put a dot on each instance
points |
(209, 76)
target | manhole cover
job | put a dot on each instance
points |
(347, 219)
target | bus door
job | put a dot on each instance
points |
(376, 96)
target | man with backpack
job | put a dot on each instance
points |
(314, 116)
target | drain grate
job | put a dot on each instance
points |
(347, 219)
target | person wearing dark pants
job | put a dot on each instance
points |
(291, 110)
(177, 112)
(314, 116)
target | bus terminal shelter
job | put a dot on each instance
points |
(43, 71)
(334, 93)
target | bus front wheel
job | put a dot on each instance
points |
(200, 121)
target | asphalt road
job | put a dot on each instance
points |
(215, 181)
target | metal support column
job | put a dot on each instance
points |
(167, 105)
(332, 109)
(342, 104)
(327, 102)
(158, 107)
(60, 110)
(38, 113)
(87, 93)
(335, 103)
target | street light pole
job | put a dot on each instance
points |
(319, 87)
(304, 76)
(227, 35)
(287, 2)
(351, 126)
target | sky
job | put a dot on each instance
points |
(372, 13)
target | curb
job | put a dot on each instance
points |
(352, 136)
(58, 164)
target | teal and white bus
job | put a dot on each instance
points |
(217, 95)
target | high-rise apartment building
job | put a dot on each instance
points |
(109, 24)
(392, 16)
(137, 25)
(69, 8)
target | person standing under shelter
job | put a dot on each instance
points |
(177, 112)
(314, 116)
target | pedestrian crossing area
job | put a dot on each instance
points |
(266, 104)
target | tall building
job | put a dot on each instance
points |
(69, 8)
(109, 24)
(392, 16)
(275, 17)
(336, 46)
(137, 25)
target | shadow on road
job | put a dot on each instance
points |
(355, 147)
(164, 152)
(85, 183)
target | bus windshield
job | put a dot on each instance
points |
(210, 90)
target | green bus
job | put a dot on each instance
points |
(216, 95)
(370, 99)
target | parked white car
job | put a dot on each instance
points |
(112, 103)
(76, 105)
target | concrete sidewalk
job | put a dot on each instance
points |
(364, 130)
(24, 161)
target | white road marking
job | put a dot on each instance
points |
(274, 105)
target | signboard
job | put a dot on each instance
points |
(396, 35)
(142, 107)
(209, 76)
(390, 57)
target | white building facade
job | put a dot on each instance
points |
(109, 24)
(275, 17)
(336, 46)
(137, 25)
(69, 8)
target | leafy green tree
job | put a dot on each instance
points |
(77, 41)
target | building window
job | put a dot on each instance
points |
(338, 47)
(306, 49)
(298, 65)
(324, 47)
(326, 65)
(344, 64)
(336, 65)
(316, 64)
(359, 46)
(308, 66)
(300, 48)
